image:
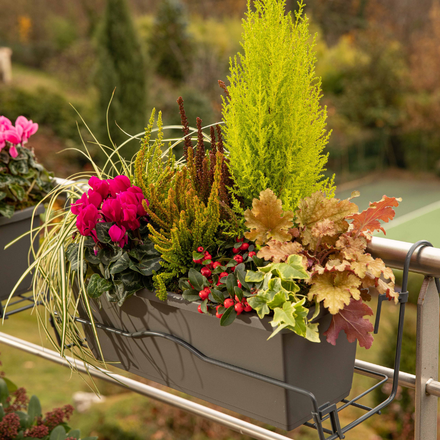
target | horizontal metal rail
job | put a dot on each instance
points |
(244, 428)
(425, 260)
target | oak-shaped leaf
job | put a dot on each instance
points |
(368, 221)
(317, 208)
(351, 320)
(278, 251)
(336, 289)
(267, 220)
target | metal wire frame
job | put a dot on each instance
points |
(22, 298)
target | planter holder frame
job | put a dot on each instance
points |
(324, 412)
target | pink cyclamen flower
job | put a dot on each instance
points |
(87, 220)
(112, 210)
(118, 235)
(100, 186)
(118, 184)
(140, 197)
(28, 128)
(13, 135)
(13, 151)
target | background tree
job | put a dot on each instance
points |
(171, 44)
(121, 65)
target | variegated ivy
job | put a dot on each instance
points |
(328, 237)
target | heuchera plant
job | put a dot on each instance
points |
(23, 181)
(117, 257)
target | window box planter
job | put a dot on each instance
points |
(14, 260)
(323, 369)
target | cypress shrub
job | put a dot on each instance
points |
(121, 65)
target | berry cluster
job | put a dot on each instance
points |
(221, 284)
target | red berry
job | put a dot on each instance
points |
(197, 261)
(223, 274)
(238, 308)
(217, 307)
(232, 269)
(237, 298)
(207, 257)
(247, 308)
(244, 247)
(205, 272)
(200, 249)
(200, 308)
(239, 284)
(219, 315)
(228, 303)
(216, 264)
(238, 259)
(239, 240)
(252, 254)
(204, 294)
(236, 250)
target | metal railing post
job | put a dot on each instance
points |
(427, 360)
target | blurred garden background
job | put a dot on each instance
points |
(380, 66)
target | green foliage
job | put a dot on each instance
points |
(45, 106)
(275, 126)
(121, 65)
(23, 181)
(170, 44)
(22, 418)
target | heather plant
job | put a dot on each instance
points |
(23, 181)
(275, 129)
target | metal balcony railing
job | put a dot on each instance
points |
(425, 260)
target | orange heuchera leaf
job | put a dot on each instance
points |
(351, 247)
(317, 208)
(335, 288)
(278, 252)
(323, 228)
(369, 220)
(267, 220)
(351, 320)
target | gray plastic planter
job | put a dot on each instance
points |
(14, 260)
(323, 369)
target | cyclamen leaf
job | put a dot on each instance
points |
(351, 320)
(97, 286)
(316, 208)
(369, 220)
(267, 220)
(278, 251)
(336, 289)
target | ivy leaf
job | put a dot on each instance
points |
(351, 320)
(254, 277)
(369, 220)
(315, 209)
(259, 304)
(336, 289)
(312, 332)
(267, 220)
(278, 251)
(98, 285)
(292, 316)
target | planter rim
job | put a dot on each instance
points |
(249, 319)
(23, 214)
